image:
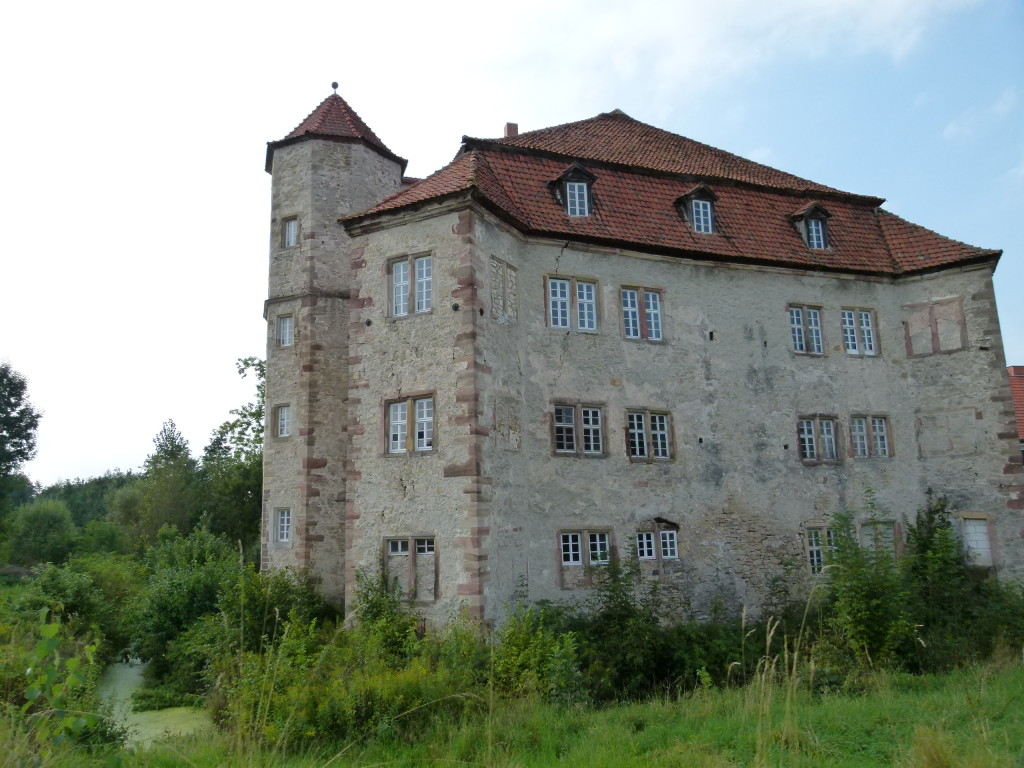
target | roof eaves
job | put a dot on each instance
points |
(380, 149)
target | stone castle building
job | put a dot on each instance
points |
(603, 339)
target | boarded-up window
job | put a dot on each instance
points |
(948, 432)
(504, 289)
(934, 327)
(976, 542)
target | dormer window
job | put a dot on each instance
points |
(812, 223)
(573, 190)
(698, 208)
(577, 198)
(702, 216)
(816, 234)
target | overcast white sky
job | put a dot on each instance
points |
(135, 252)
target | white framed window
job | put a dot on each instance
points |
(859, 332)
(639, 324)
(817, 438)
(585, 547)
(572, 302)
(645, 545)
(577, 198)
(282, 421)
(421, 438)
(817, 235)
(411, 285)
(572, 552)
(285, 330)
(578, 430)
(976, 541)
(702, 216)
(290, 232)
(821, 545)
(599, 548)
(669, 545)
(424, 546)
(805, 329)
(648, 434)
(397, 547)
(663, 544)
(869, 436)
(283, 525)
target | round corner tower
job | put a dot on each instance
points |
(332, 165)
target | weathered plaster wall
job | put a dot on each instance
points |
(726, 371)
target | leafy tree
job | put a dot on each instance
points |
(15, 489)
(18, 421)
(41, 531)
(88, 499)
(233, 466)
(169, 488)
(242, 437)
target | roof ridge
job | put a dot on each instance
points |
(618, 139)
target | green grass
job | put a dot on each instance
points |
(970, 718)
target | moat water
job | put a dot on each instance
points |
(120, 681)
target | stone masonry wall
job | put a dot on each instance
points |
(315, 182)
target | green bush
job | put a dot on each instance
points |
(41, 531)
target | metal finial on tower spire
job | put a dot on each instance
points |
(335, 87)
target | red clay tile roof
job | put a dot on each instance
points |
(1017, 390)
(615, 137)
(634, 206)
(334, 119)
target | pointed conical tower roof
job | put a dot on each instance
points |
(334, 120)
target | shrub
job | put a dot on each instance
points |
(41, 531)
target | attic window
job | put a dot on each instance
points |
(698, 208)
(812, 224)
(577, 198)
(573, 190)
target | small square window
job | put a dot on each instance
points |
(805, 330)
(290, 232)
(398, 546)
(283, 525)
(285, 330)
(282, 421)
(424, 546)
